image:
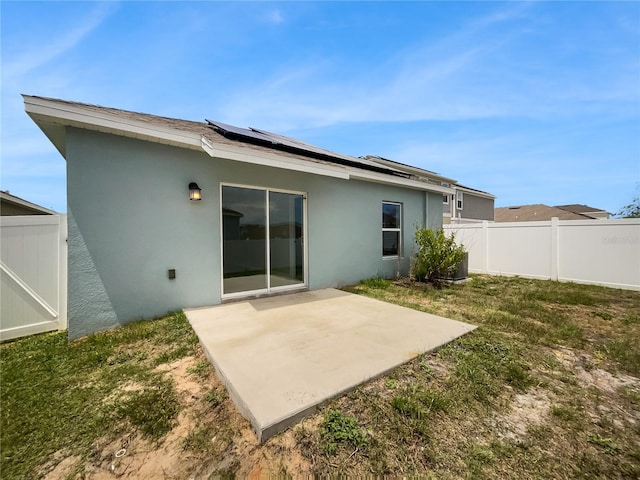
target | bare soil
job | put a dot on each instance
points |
(232, 447)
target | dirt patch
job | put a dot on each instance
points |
(584, 367)
(187, 384)
(605, 381)
(527, 410)
(280, 455)
(131, 456)
(56, 468)
(209, 437)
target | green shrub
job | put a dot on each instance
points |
(438, 256)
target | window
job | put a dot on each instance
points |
(459, 200)
(391, 229)
(445, 198)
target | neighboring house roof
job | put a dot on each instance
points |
(216, 139)
(12, 205)
(474, 191)
(585, 210)
(537, 212)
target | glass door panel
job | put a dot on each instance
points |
(244, 230)
(286, 239)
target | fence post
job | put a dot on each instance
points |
(62, 273)
(555, 257)
(485, 239)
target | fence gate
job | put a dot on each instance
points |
(33, 268)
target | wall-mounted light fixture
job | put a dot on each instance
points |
(194, 192)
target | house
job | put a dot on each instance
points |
(468, 205)
(10, 205)
(464, 205)
(541, 212)
(165, 214)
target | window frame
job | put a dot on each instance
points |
(397, 229)
(445, 196)
(459, 200)
(305, 251)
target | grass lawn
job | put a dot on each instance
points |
(547, 387)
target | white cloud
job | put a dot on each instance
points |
(36, 57)
(473, 73)
(31, 166)
(275, 17)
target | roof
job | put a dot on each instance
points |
(7, 199)
(475, 191)
(420, 172)
(579, 208)
(216, 139)
(286, 144)
(537, 212)
(428, 175)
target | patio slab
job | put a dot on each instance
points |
(280, 357)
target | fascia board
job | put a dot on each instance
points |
(401, 182)
(50, 111)
(475, 192)
(75, 116)
(263, 158)
(53, 112)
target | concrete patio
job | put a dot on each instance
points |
(280, 357)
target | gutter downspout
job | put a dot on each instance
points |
(426, 209)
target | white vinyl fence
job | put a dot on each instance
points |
(600, 252)
(33, 264)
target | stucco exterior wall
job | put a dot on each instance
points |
(130, 220)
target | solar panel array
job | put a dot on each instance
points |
(280, 142)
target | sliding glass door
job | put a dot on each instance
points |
(244, 235)
(262, 240)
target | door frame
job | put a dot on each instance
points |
(305, 243)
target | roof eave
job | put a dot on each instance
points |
(396, 181)
(53, 116)
(49, 115)
(410, 169)
(478, 193)
(245, 155)
(7, 197)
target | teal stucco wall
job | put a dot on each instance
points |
(130, 220)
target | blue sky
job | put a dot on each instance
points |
(533, 102)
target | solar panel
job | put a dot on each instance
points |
(281, 139)
(300, 145)
(224, 129)
(274, 140)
